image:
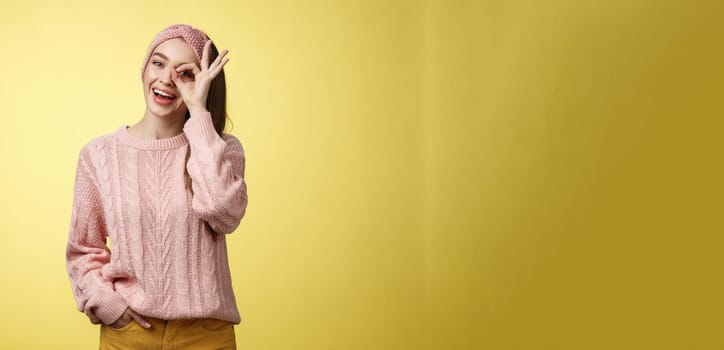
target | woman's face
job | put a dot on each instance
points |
(157, 78)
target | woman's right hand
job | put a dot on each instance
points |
(128, 317)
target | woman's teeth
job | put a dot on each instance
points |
(159, 92)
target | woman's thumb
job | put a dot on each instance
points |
(136, 317)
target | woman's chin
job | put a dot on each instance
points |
(167, 113)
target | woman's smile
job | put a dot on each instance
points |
(163, 97)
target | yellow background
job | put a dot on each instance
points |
(422, 174)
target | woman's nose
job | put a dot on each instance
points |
(166, 76)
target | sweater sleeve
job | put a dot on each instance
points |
(216, 167)
(86, 251)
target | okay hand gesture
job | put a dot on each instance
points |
(193, 82)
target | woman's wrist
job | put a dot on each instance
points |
(196, 109)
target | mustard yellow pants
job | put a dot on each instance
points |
(200, 333)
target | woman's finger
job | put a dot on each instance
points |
(205, 54)
(176, 77)
(140, 320)
(218, 68)
(186, 66)
(218, 59)
(182, 81)
(189, 67)
(94, 320)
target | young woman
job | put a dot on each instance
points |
(165, 192)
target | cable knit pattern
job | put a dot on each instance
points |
(163, 261)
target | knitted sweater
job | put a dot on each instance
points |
(163, 262)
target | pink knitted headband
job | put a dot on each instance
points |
(194, 37)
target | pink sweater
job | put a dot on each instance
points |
(164, 261)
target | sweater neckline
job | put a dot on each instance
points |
(151, 144)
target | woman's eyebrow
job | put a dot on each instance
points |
(162, 55)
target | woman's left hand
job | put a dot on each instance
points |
(194, 85)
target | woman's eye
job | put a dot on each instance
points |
(155, 63)
(185, 73)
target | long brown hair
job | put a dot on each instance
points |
(216, 104)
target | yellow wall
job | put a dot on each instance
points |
(422, 174)
(574, 174)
